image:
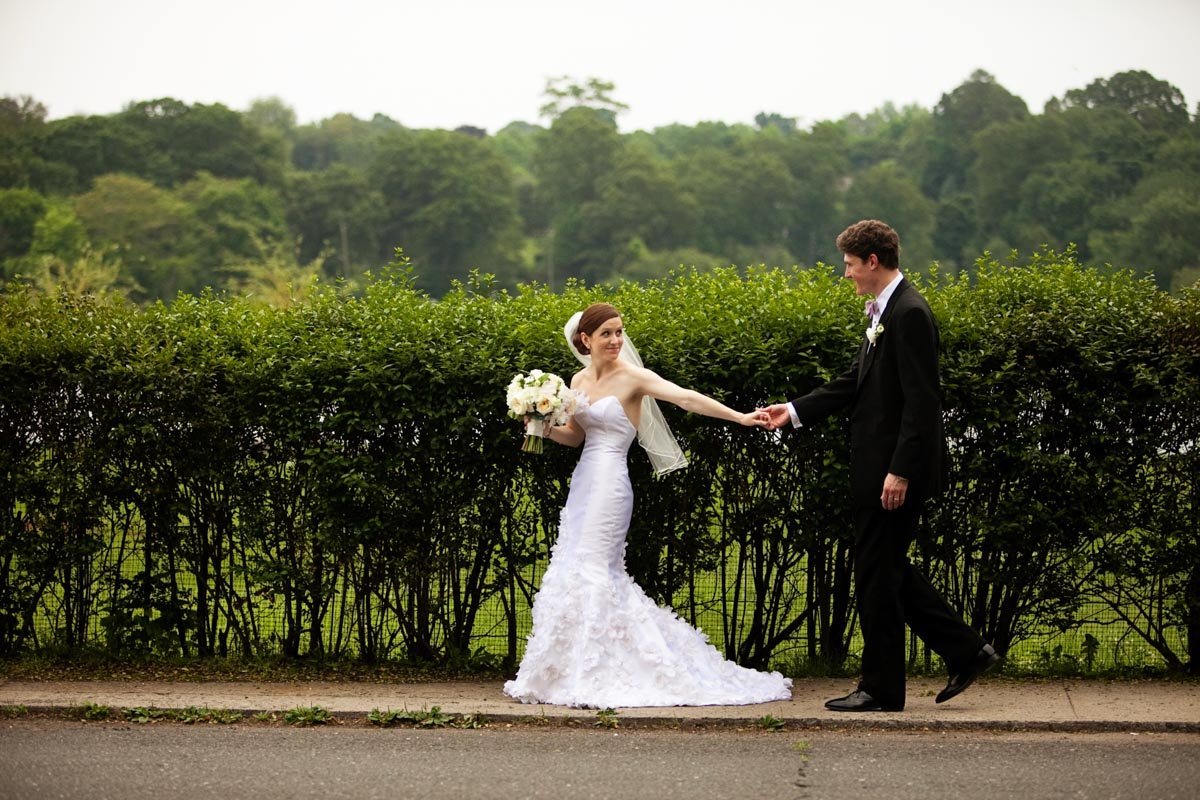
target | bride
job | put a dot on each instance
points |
(597, 639)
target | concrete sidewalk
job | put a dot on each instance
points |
(995, 703)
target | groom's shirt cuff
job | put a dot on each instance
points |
(792, 413)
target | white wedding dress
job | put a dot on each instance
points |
(598, 640)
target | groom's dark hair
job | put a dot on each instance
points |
(871, 236)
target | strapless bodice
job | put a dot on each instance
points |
(608, 430)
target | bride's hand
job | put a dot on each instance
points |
(755, 419)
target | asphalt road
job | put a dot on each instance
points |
(62, 759)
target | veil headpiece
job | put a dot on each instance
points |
(653, 434)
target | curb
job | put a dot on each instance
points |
(11, 712)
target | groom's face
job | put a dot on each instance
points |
(860, 271)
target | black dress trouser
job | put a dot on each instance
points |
(891, 593)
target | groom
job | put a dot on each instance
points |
(893, 395)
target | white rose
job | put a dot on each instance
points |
(544, 405)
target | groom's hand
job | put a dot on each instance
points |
(895, 489)
(777, 416)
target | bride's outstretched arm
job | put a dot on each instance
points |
(690, 400)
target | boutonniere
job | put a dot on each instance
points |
(874, 333)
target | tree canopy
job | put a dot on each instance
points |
(180, 197)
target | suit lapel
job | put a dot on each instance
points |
(867, 354)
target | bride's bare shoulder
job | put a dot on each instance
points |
(639, 376)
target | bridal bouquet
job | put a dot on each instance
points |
(545, 398)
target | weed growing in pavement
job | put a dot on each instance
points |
(769, 722)
(14, 711)
(606, 718)
(192, 715)
(304, 716)
(433, 718)
(142, 715)
(472, 721)
(188, 716)
(93, 712)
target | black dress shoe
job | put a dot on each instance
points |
(859, 701)
(985, 659)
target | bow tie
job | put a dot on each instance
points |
(872, 309)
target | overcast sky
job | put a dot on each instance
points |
(445, 63)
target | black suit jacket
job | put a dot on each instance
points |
(894, 396)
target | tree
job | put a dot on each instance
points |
(239, 221)
(1057, 205)
(564, 94)
(472, 131)
(1007, 153)
(152, 231)
(578, 151)
(87, 147)
(958, 116)
(21, 119)
(1155, 104)
(818, 165)
(785, 125)
(745, 198)
(518, 142)
(59, 233)
(21, 114)
(639, 200)
(20, 209)
(337, 217)
(205, 138)
(1114, 140)
(956, 227)
(449, 202)
(276, 120)
(342, 138)
(272, 114)
(1154, 226)
(674, 141)
(889, 133)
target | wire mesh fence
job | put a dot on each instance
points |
(1098, 638)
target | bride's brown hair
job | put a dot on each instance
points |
(593, 317)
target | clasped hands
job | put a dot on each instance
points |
(771, 418)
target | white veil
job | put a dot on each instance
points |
(653, 434)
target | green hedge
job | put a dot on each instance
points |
(339, 477)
